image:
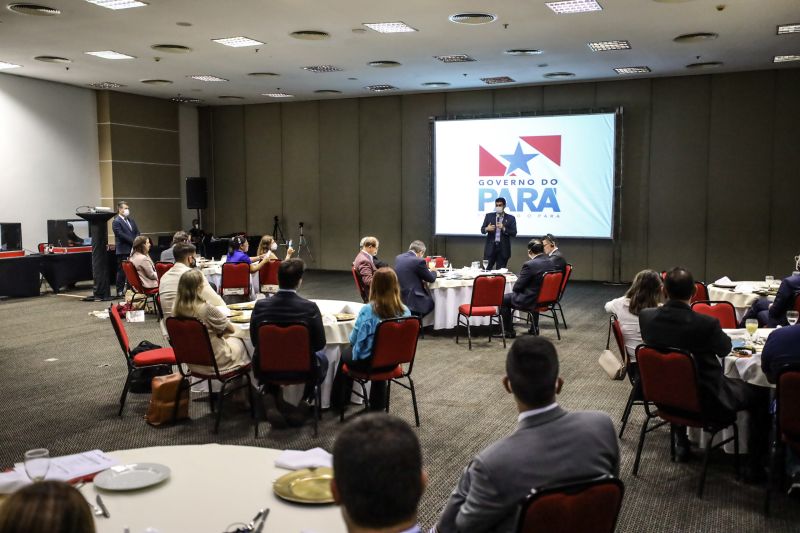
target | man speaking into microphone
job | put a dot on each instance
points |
(499, 227)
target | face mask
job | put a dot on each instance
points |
(273, 246)
(126, 212)
(498, 209)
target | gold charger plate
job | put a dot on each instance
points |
(240, 319)
(242, 306)
(344, 317)
(309, 485)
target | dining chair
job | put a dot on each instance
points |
(486, 300)
(700, 292)
(787, 425)
(268, 277)
(362, 291)
(588, 506)
(567, 275)
(546, 300)
(395, 346)
(235, 279)
(669, 382)
(722, 311)
(162, 267)
(631, 370)
(137, 363)
(136, 284)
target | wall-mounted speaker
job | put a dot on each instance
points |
(196, 193)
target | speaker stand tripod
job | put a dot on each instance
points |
(302, 244)
(277, 233)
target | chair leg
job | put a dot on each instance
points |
(555, 320)
(316, 409)
(414, 400)
(736, 449)
(125, 391)
(252, 404)
(458, 323)
(210, 396)
(706, 456)
(388, 395)
(219, 406)
(640, 446)
(343, 396)
(628, 406)
(469, 335)
(672, 442)
(364, 392)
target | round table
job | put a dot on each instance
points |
(211, 487)
(739, 297)
(448, 294)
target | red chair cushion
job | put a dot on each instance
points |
(477, 311)
(159, 356)
(395, 373)
(223, 375)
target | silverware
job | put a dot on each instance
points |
(263, 519)
(252, 522)
(103, 507)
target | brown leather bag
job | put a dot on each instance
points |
(162, 399)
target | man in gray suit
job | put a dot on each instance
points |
(550, 446)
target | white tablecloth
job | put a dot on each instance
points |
(211, 486)
(448, 294)
(741, 299)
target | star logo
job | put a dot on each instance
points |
(518, 160)
(548, 146)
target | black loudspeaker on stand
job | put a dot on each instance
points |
(197, 195)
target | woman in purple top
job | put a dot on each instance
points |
(238, 254)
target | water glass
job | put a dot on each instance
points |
(446, 264)
(37, 463)
(769, 280)
(751, 324)
(791, 317)
(485, 263)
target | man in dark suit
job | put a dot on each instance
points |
(526, 289)
(675, 325)
(550, 446)
(552, 251)
(287, 306)
(499, 227)
(412, 273)
(125, 230)
(773, 314)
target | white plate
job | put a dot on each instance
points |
(131, 477)
(726, 285)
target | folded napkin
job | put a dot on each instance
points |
(744, 288)
(724, 280)
(11, 481)
(296, 459)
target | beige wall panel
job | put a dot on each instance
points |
(301, 199)
(133, 109)
(142, 145)
(678, 173)
(229, 188)
(417, 189)
(106, 181)
(155, 216)
(740, 167)
(784, 243)
(136, 180)
(468, 103)
(263, 157)
(205, 136)
(339, 183)
(103, 106)
(104, 142)
(634, 97)
(380, 160)
(518, 99)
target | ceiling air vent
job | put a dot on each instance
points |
(33, 9)
(53, 59)
(310, 35)
(473, 18)
(695, 37)
(171, 48)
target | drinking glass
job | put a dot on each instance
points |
(37, 463)
(446, 264)
(769, 280)
(791, 317)
(751, 324)
(485, 263)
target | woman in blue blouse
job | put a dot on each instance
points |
(238, 254)
(384, 303)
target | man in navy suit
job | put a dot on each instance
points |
(412, 273)
(499, 227)
(125, 230)
(553, 252)
(526, 289)
(771, 315)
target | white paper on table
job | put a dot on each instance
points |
(328, 320)
(744, 288)
(11, 481)
(724, 280)
(69, 467)
(296, 459)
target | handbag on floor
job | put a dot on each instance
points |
(162, 399)
(609, 362)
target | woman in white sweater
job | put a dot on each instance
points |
(644, 292)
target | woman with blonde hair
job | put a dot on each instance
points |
(229, 351)
(140, 257)
(644, 292)
(384, 303)
(267, 248)
(46, 507)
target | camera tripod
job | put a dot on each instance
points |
(277, 233)
(302, 244)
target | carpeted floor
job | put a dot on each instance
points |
(62, 373)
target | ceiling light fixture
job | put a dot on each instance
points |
(321, 69)
(117, 4)
(559, 75)
(473, 19)
(185, 100)
(53, 59)
(786, 58)
(171, 48)
(383, 64)
(207, 77)
(695, 37)
(106, 85)
(606, 46)
(109, 54)
(522, 52)
(278, 95)
(574, 6)
(4, 65)
(454, 58)
(389, 27)
(237, 42)
(631, 70)
(704, 65)
(310, 35)
(436, 84)
(380, 88)
(33, 9)
(497, 80)
(783, 29)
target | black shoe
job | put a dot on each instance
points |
(794, 488)
(511, 334)
(683, 452)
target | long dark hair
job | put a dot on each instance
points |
(236, 244)
(645, 291)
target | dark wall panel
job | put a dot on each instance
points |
(229, 190)
(518, 99)
(263, 154)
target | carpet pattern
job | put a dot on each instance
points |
(69, 405)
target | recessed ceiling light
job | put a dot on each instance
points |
(264, 74)
(4, 65)
(631, 70)
(695, 37)
(237, 42)
(789, 28)
(183, 24)
(353, 79)
(33, 9)
(497, 79)
(786, 58)
(207, 77)
(310, 35)
(605, 46)
(230, 97)
(559, 75)
(436, 84)
(523, 52)
(704, 65)
(171, 48)
(389, 27)
(109, 54)
(383, 64)
(278, 95)
(380, 88)
(359, 31)
(319, 69)
(473, 18)
(53, 59)
(454, 58)
(157, 82)
(106, 85)
(117, 4)
(185, 100)
(327, 91)
(574, 6)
